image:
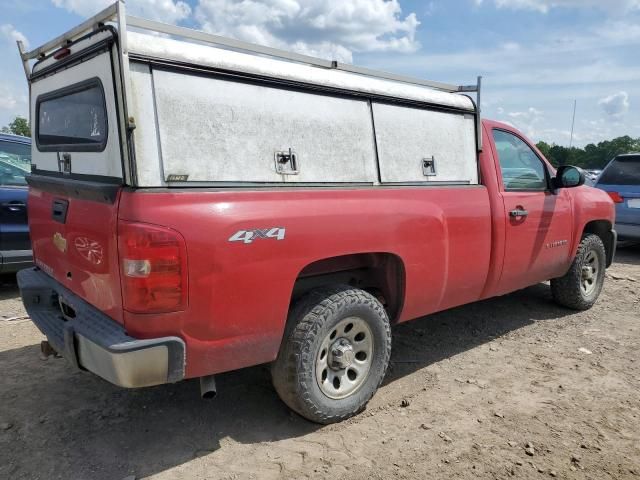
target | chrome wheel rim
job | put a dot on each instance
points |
(344, 358)
(590, 271)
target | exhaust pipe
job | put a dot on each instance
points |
(208, 387)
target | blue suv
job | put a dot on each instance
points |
(621, 180)
(15, 165)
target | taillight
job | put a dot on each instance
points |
(153, 268)
(616, 197)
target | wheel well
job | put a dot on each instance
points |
(381, 274)
(602, 228)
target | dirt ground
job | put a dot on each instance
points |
(466, 393)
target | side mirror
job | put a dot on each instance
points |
(568, 176)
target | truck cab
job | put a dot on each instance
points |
(542, 221)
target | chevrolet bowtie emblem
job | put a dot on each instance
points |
(60, 242)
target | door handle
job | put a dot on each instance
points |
(14, 206)
(518, 212)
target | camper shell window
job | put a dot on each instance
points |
(72, 119)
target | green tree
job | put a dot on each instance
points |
(19, 126)
(591, 156)
(559, 155)
(545, 148)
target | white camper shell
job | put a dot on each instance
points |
(131, 101)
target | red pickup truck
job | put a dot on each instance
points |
(306, 210)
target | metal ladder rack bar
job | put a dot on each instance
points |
(210, 38)
(395, 77)
(104, 16)
(116, 13)
(275, 52)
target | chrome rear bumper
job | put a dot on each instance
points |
(90, 340)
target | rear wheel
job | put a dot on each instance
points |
(580, 287)
(334, 355)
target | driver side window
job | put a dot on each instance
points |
(521, 168)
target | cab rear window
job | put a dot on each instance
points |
(622, 171)
(72, 119)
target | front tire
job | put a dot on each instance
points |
(334, 355)
(580, 287)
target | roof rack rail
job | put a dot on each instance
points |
(116, 13)
(111, 13)
(283, 54)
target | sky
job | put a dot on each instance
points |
(536, 56)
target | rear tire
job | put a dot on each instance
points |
(334, 355)
(580, 287)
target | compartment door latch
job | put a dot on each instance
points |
(287, 162)
(429, 166)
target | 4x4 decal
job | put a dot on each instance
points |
(248, 236)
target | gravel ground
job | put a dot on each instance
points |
(510, 387)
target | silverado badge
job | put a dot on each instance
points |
(60, 242)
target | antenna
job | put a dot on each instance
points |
(573, 122)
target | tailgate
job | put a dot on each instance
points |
(77, 166)
(74, 240)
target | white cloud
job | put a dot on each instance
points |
(328, 28)
(12, 100)
(171, 11)
(583, 62)
(527, 120)
(84, 8)
(530, 114)
(13, 86)
(620, 32)
(7, 101)
(430, 8)
(615, 105)
(511, 47)
(543, 6)
(10, 34)
(560, 59)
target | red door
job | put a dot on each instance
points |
(538, 220)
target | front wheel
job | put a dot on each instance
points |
(334, 355)
(580, 287)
